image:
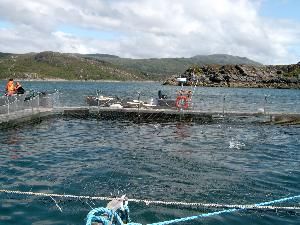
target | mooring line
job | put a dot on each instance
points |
(56, 203)
(223, 211)
(148, 202)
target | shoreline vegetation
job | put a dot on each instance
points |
(65, 80)
(218, 70)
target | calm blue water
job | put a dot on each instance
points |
(207, 99)
(232, 163)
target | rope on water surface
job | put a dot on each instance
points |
(173, 203)
(223, 211)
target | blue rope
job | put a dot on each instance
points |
(223, 211)
(111, 218)
(92, 217)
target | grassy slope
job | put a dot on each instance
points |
(162, 68)
(104, 66)
(64, 66)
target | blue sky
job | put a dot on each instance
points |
(5, 24)
(281, 9)
(267, 31)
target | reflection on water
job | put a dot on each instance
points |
(15, 148)
(182, 130)
(221, 163)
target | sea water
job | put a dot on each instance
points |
(235, 162)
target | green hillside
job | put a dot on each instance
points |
(3, 55)
(61, 66)
(164, 67)
(223, 59)
(54, 65)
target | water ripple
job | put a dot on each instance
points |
(182, 162)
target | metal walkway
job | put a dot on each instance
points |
(143, 115)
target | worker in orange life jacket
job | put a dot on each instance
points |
(10, 87)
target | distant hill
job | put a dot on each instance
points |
(223, 59)
(103, 55)
(160, 68)
(212, 70)
(4, 54)
(53, 65)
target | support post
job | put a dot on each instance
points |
(7, 105)
(139, 95)
(265, 103)
(38, 102)
(223, 110)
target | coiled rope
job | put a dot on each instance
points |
(173, 203)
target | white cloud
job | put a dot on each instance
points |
(71, 44)
(150, 28)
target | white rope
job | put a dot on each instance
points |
(147, 202)
(56, 204)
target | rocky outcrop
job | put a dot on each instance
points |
(277, 76)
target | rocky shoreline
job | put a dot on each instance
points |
(249, 76)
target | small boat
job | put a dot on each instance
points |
(182, 101)
(115, 102)
(100, 100)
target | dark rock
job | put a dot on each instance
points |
(273, 76)
(227, 77)
(215, 78)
